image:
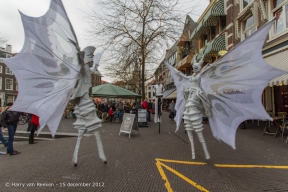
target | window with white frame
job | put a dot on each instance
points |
(1, 69)
(245, 3)
(279, 9)
(8, 84)
(8, 71)
(0, 83)
(248, 27)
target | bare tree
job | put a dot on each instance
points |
(2, 40)
(135, 30)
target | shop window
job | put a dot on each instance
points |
(204, 40)
(246, 2)
(8, 71)
(223, 22)
(8, 84)
(280, 11)
(213, 32)
(248, 27)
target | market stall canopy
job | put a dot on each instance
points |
(110, 90)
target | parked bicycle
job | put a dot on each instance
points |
(23, 119)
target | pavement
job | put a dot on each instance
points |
(148, 161)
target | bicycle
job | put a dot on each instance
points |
(23, 119)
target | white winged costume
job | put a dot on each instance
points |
(48, 67)
(233, 87)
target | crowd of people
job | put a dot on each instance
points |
(114, 111)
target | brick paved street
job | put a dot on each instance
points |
(132, 161)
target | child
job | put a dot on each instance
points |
(116, 115)
(110, 113)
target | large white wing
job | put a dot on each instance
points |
(47, 67)
(234, 86)
(181, 82)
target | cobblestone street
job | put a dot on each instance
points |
(140, 163)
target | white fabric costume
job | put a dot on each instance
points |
(227, 91)
(85, 111)
(47, 69)
(158, 89)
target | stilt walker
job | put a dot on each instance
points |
(158, 90)
(227, 91)
(85, 111)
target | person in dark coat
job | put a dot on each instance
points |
(10, 120)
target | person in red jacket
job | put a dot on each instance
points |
(111, 113)
(34, 124)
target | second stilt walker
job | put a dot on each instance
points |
(158, 90)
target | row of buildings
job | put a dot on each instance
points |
(223, 25)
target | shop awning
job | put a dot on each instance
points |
(168, 92)
(210, 19)
(172, 95)
(213, 47)
(279, 61)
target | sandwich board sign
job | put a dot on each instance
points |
(128, 123)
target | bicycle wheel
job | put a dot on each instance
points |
(22, 120)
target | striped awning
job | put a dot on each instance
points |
(213, 47)
(280, 61)
(210, 19)
(168, 92)
(172, 95)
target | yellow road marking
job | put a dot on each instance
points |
(181, 162)
(167, 184)
(250, 166)
(159, 165)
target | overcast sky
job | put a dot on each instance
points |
(11, 26)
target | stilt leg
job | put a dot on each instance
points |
(190, 135)
(202, 141)
(100, 146)
(75, 156)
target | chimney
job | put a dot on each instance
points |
(9, 48)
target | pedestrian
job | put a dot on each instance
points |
(172, 110)
(116, 115)
(10, 120)
(111, 113)
(134, 108)
(104, 109)
(120, 105)
(127, 108)
(33, 126)
(2, 153)
(145, 106)
(2, 139)
(149, 110)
